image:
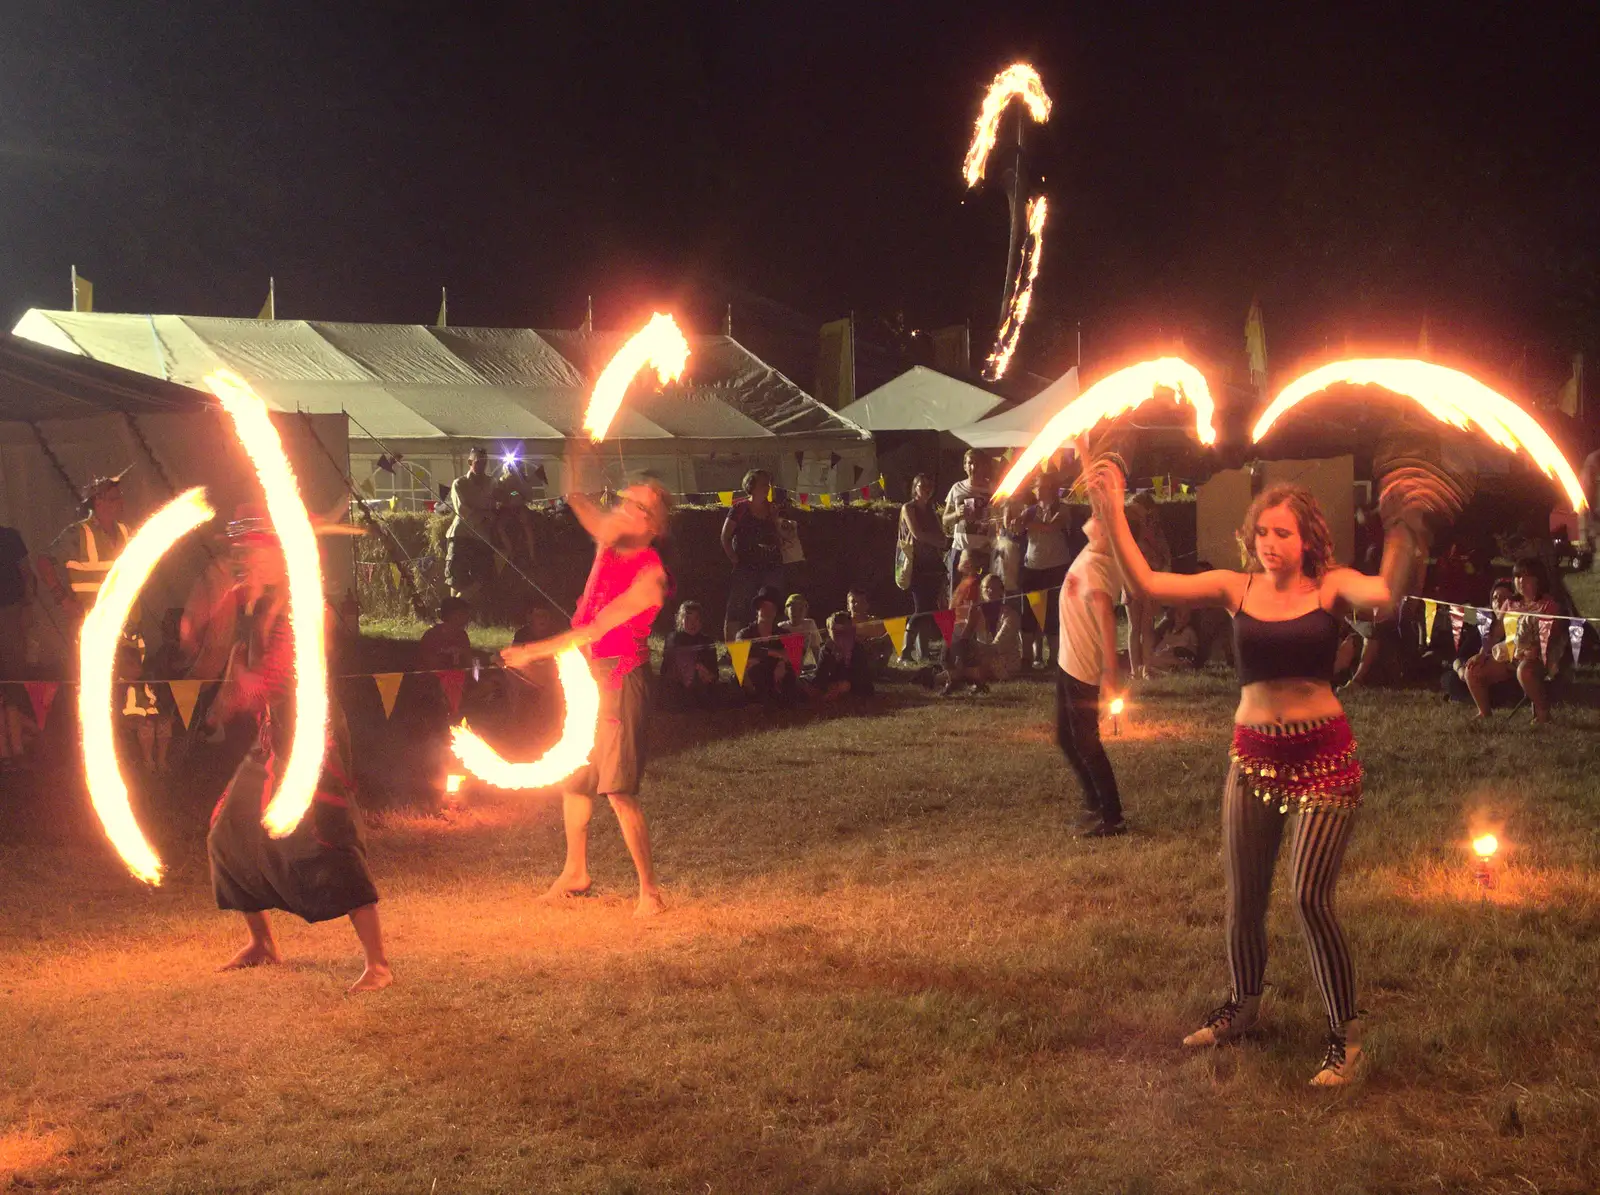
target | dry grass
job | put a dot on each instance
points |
(889, 967)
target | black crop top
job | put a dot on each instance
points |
(1300, 648)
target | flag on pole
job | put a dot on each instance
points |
(82, 292)
(1569, 400)
(836, 364)
(1255, 346)
(588, 315)
(1425, 340)
(444, 309)
(269, 309)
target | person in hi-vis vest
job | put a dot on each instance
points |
(75, 568)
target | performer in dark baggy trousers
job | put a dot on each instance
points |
(319, 870)
(1086, 673)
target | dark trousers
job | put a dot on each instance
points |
(1078, 733)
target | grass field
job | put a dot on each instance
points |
(889, 966)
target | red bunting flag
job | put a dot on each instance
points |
(945, 620)
(41, 693)
(866, 492)
(451, 681)
(794, 647)
(1544, 639)
(1458, 619)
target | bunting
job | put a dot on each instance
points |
(1458, 618)
(794, 647)
(895, 628)
(185, 695)
(452, 680)
(1575, 633)
(945, 620)
(739, 657)
(1544, 639)
(388, 688)
(1039, 603)
(41, 694)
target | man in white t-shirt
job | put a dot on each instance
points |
(1086, 668)
(966, 514)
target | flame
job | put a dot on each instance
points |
(299, 542)
(1109, 397)
(570, 752)
(1450, 396)
(1485, 845)
(1018, 81)
(658, 343)
(97, 659)
(1117, 706)
(1005, 341)
(452, 783)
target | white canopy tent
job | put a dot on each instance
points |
(1017, 427)
(922, 399)
(431, 393)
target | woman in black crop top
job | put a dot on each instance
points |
(1292, 748)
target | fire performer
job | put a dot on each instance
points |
(627, 587)
(319, 870)
(1292, 747)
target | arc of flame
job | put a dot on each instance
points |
(1125, 390)
(1017, 81)
(1485, 845)
(571, 751)
(658, 343)
(97, 659)
(299, 542)
(1005, 341)
(1450, 396)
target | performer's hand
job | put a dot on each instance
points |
(1104, 481)
(520, 655)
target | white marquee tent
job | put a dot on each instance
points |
(922, 399)
(431, 393)
(1017, 427)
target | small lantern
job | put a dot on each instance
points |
(1117, 706)
(1484, 846)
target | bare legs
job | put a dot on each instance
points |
(1483, 673)
(262, 949)
(576, 811)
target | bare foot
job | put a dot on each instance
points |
(257, 954)
(650, 903)
(567, 886)
(375, 978)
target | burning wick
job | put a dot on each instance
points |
(1484, 847)
(1116, 707)
(452, 784)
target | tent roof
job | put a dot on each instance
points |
(922, 399)
(1017, 427)
(411, 381)
(39, 383)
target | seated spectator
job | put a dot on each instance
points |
(689, 671)
(768, 675)
(843, 668)
(445, 644)
(798, 621)
(870, 632)
(988, 638)
(1522, 658)
(1177, 642)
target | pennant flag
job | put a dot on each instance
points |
(1575, 633)
(1511, 627)
(41, 693)
(394, 574)
(388, 688)
(444, 309)
(1038, 601)
(82, 292)
(451, 681)
(805, 501)
(184, 695)
(739, 657)
(866, 493)
(896, 629)
(1544, 638)
(881, 484)
(945, 620)
(1485, 623)
(1458, 619)
(827, 501)
(1430, 612)
(725, 497)
(795, 647)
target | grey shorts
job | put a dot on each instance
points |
(616, 765)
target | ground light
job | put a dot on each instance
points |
(1117, 706)
(1485, 846)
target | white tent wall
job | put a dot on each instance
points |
(198, 448)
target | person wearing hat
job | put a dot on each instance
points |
(768, 674)
(468, 558)
(626, 589)
(319, 870)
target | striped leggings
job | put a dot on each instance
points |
(1252, 830)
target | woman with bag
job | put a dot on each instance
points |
(752, 539)
(919, 565)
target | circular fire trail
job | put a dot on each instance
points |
(299, 542)
(660, 344)
(571, 751)
(1125, 390)
(97, 662)
(1450, 396)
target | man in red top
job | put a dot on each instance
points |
(626, 589)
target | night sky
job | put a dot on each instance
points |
(1356, 170)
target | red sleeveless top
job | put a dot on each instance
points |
(609, 579)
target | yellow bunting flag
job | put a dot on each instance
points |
(1511, 628)
(896, 629)
(826, 500)
(394, 574)
(1430, 611)
(184, 694)
(1039, 603)
(739, 657)
(725, 497)
(388, 689)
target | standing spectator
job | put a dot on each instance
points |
(689, 661)
(1145, 519)
(1044, 567)
(17, 591)
(768, 675)
(798, 621)
(919, 526)
(1087, 670)
(843, 667)
(966, 515)
(468, 558)
(750, 540)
